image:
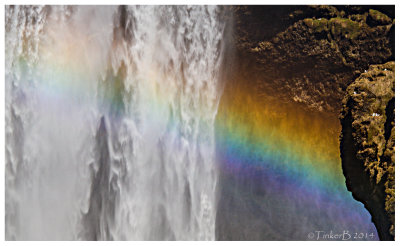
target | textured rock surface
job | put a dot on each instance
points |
(367, 144)
(311, 53)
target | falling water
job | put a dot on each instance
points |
(110, 122)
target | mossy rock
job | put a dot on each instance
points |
(359, 17)
(339, 27)
(373, 130)
(379, 17)
(345, 27)
(318, 25)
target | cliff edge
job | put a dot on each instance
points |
(367, 144)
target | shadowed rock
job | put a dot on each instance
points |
(367, 144)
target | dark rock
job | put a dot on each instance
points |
(310, 54)
(367, 144)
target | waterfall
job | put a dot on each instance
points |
(110, 122)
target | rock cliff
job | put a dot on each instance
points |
(367, 144)
(310, 54)
(338, 60)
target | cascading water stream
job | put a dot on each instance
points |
(110, 122)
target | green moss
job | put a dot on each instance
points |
(345, 27)
(336, 26)
(379, 17)
(318, 25)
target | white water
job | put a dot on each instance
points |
(110, 122)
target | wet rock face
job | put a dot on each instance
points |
(367, 144)
(311, 53)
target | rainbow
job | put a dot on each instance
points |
(292, 153)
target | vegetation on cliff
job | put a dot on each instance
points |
(367, 144)
(311, 53)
